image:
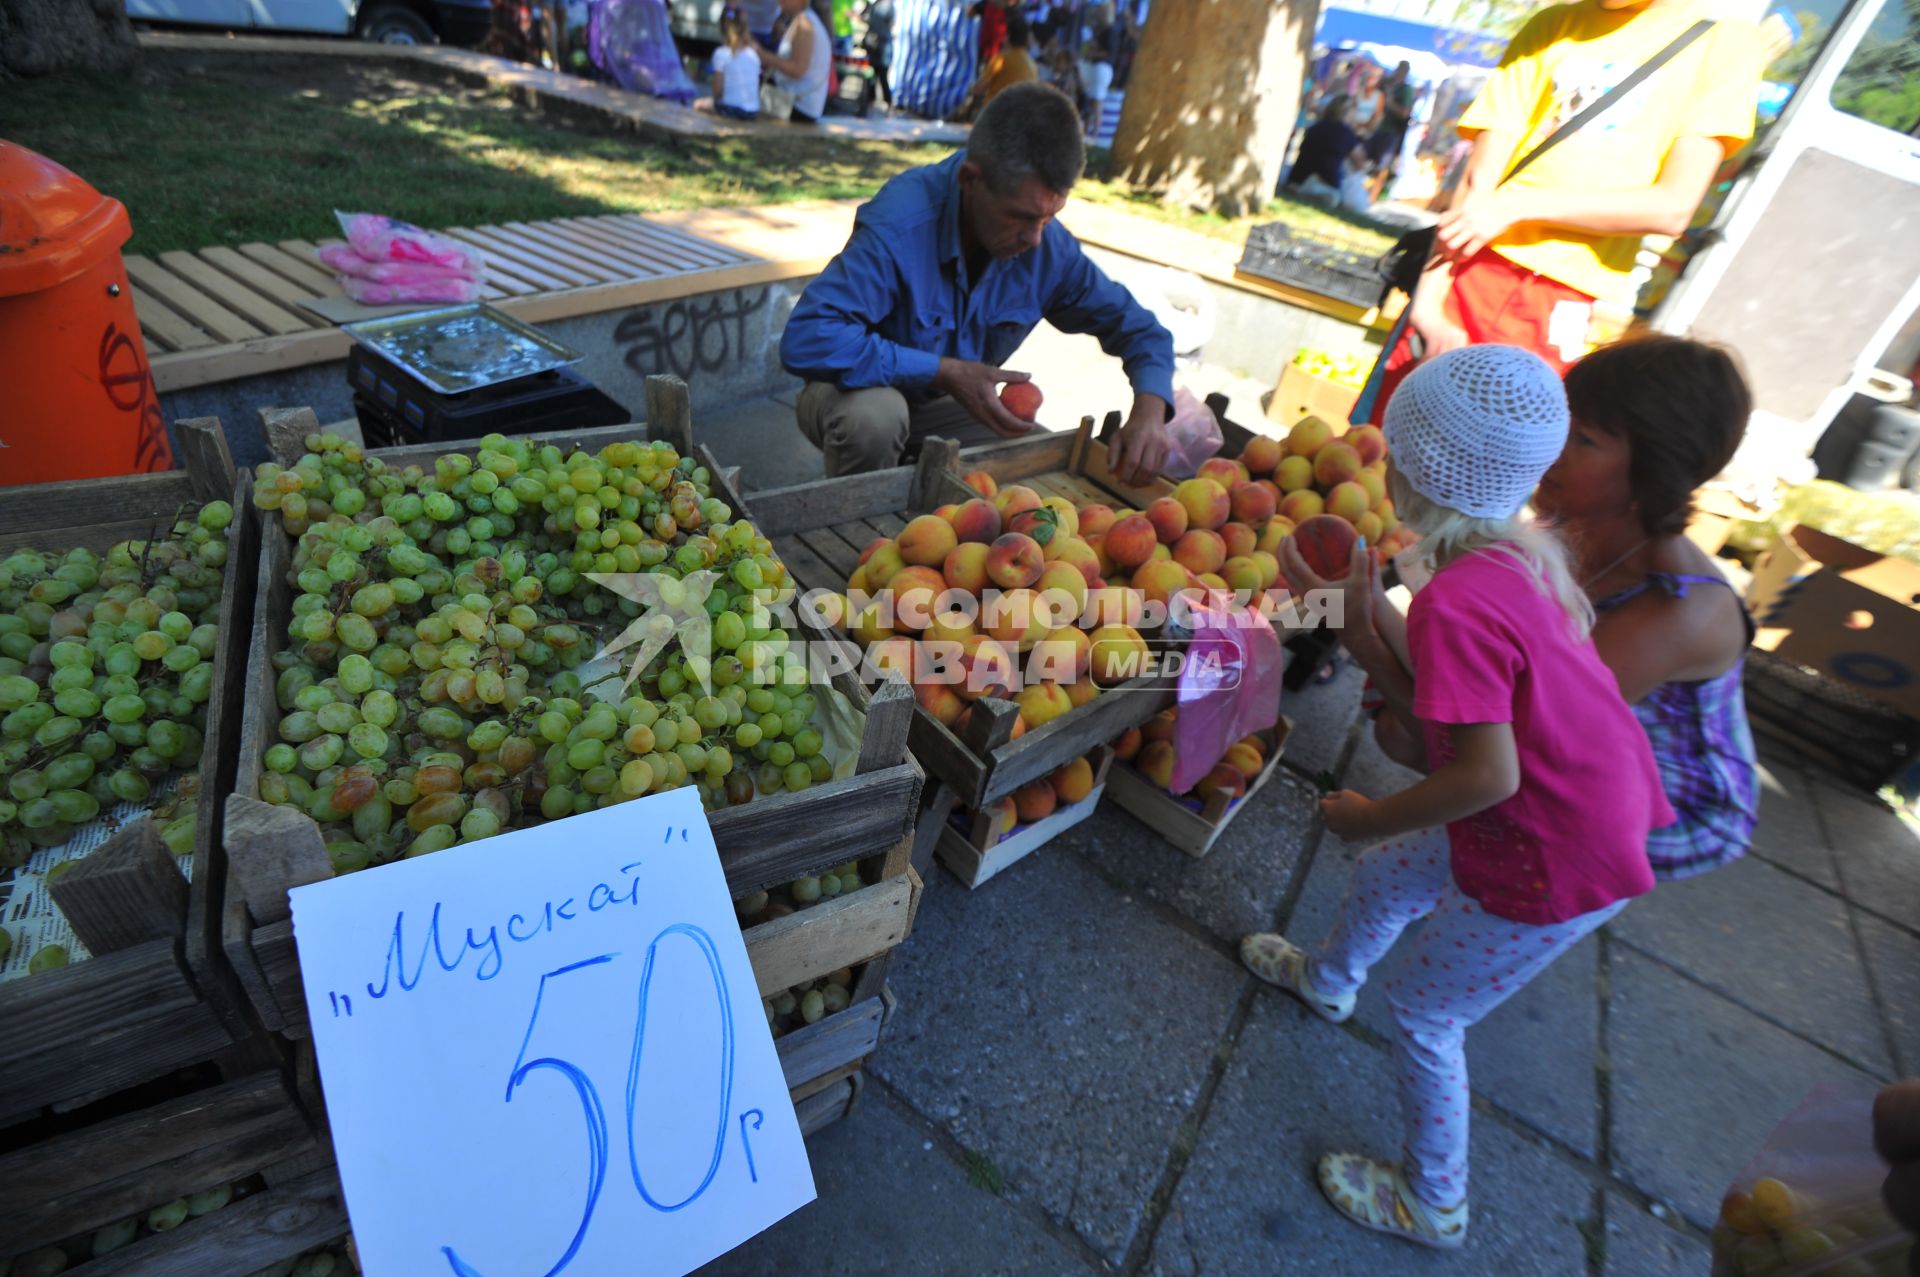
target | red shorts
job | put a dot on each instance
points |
(1498, 303)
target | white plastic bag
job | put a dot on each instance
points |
(1192, 436)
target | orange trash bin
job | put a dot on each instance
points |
(79, 399)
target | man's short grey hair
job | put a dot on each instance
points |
(1029, 130)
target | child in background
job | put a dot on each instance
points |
(1531, 830)
(736, 70)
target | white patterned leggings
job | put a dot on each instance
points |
(1461, 965)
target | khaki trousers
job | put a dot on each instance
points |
(871, 428)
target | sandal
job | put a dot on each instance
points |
(1376, 1195)
(1283, 964)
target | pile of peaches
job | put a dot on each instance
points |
(1149, 750)
(1319, 473)
(1035, 801)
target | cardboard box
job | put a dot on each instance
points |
(1301, 394)
(1715, 511)
(1847, 612)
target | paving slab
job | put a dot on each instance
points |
(1789, 833)
(1771, 942)
(1698, 1083)
(1323, 715)
(1879, 855)
(1298, 1088)
(1236, 887)
(1638, 1245)
(761, 438)
(1062, 1031)
(1894, 957)
(891, 1201)
(1536, 1055)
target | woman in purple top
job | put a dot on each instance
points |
(1652, 419)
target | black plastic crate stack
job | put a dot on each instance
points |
(1274, 252)
(396, 408)
(1859, 739)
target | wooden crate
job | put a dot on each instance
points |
(819, 529)
(1191, 826)
(156, 995)
(770, 841)
(973, 859)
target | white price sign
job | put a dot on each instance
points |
(546, 1053)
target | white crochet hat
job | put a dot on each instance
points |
(1475, 428)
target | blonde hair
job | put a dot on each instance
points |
(733, 30)
(1446, 534)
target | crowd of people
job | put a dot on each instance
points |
(1359, 115)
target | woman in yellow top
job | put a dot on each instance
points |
(1011, 65)
(1524, 263)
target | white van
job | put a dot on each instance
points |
(462, 22)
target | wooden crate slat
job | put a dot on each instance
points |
(817, 1112)
(633, 263)
(841, 932)
(865, 813)
(125, 1165)
(844, 559)
(244, 1237)
(304, 274)
(806, 506)
(598, 230)
(1011, 463)
(514, 261)
(136, 498)
(251, 305)
(163, 326)
(859, 533)
(812, 571)
(581, 254)
(820, 1049)
(889, 523)
(189, 300)
(559, 255)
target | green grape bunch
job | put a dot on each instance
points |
(430, 693)
(106, 668)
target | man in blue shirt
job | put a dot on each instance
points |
(949, 268)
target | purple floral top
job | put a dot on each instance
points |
(1704, 750)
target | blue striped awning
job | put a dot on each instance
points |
(1450, 44)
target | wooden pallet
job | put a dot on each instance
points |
(974, 855)
(770, 841)
(220, 313)
(819, 529)
(1192, 827)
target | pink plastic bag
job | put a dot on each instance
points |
(388, 239)
(1192, 436)
(347, 262)
(1229, 688)
(1809, 1203)
(372, 293)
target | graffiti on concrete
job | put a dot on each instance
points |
(691, 334)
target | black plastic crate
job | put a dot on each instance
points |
(395, 408)
(1858, 739)
(1274, 252)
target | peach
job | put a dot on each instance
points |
(1003, 816)
(1127, 744)
(1014, 500)
(1081, 556)
(1335, 463)
(1118, 654)
(966, 568)
(1061, 655)
(1114, 605)
(1161, 581)
(1022, 399)
(1130, 542)
(1253, 503)
(940, 700)
(857, 583)
(1347, 501)
(914, 590)
(986, 668)
(1308, 436)
(1160, 726)
(927, 541)
(1368, 526)
(1269, 564)
(1376, 485)
(1097, 542)
(1063, 579)
(1207, 502)
(867, 552)
(1083, 691)
(1169, 519)
(950, 624)
(1368, 441)
(1155, 762)
(1035, 801)
(1326, 543)
(1243, 573)
(1066, 517)
(894, 655)
(1225, 778)
(1201, 551)
(1096, 518)
(827, 609)
(1271, 536)
(976, 520)
(945, 512)
(1301, 506)
(1074, 781)
(1161, 553)
(1240, 538)
(1262, 454)
(1015, 560)
(882, 563)
(1014, 618)
(1040, 703)
(1224, 471)
(1293, 474)
(980, 481)
(1389, 517)
(868, 627)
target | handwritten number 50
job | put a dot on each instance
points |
(591, 1108)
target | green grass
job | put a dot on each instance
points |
(983, 1174)
(223, 149)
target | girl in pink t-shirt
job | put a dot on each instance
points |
(1530, 831)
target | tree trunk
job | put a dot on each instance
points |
(38, 37)
(1212, 101)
